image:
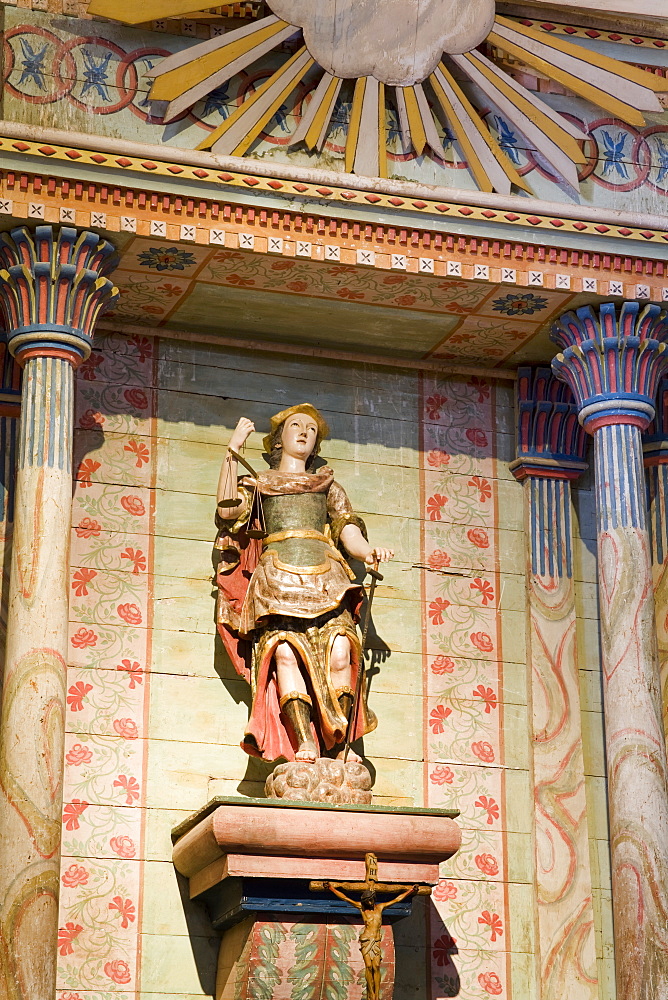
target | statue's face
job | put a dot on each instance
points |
(300, 434)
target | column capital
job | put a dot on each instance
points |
(655, 440)
(53, 289)
(551, 444)
(612, 358)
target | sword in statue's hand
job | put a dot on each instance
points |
(375, 577)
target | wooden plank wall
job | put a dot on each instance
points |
(156, 712)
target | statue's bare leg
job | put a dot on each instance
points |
(340, 672)
(295, 700)
(370, 983)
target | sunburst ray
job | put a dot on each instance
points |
(544, 139)
(314, 125)
(186, 77)
(491, 168)
(595, 77)
(213, 63)
(238, 132)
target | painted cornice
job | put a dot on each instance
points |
(390, 199)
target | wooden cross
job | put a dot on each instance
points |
(371, 884)
(371, 913)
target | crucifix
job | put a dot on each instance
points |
(372, 915)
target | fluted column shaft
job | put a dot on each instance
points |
(613, 361)
(550, 447)
(50, 297)
(655, 448)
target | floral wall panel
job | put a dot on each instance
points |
(467, 705)
(107, 696)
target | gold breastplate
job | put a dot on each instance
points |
(298, 521)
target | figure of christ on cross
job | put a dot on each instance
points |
(372, 916)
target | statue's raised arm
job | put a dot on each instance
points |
(288, 601)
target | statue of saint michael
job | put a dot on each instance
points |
(288, 603)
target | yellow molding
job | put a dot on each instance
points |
(140, 11)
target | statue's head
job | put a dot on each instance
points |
(297, 431)
(368, 899)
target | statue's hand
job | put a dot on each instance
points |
(241, 433)
(379, 555)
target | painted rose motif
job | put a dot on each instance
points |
(79, 755)
(482, 642)
(91, 420)
(136, 398)
(445, 890)
(123, 846)
(442, 665)
(442, 775)
(74, 876)
(127, 728)
(487, 864)
(479, 537)
(133, 505)
(88, 528)
(477, 437)
(118, 971)
(83, 638)
(438, 559)
(130, 613)
(399, 42)
(491, 983)
(484, 751)
(437, 458)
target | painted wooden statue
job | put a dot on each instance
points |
(288, 602)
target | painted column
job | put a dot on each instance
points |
(52, 290)
(655, 447)
(551, 446)
(612, 360)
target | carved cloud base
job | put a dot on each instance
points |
(323, 781)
